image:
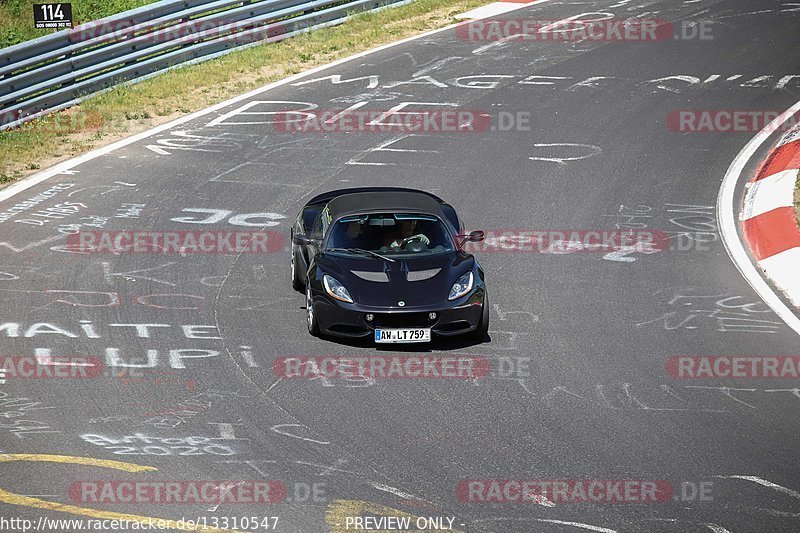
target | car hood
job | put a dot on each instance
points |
(418, 281)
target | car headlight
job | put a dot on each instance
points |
(461, 287)
(336, 289)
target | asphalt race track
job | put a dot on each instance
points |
(580, 340)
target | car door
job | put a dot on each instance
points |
(317, 234)
(303, 225)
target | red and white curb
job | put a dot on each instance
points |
(768, 217)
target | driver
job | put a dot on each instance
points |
(406, 234)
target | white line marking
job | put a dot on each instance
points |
(43, 357)
(727, 215)
(392, 490)
(157, 149)
(765, 483)
(435, 66)
(775, 512)
(406, 150)
(715, 528)
(383, 148)
(384, 144)
(338, 115)
(489, 10)
(28, 246)
(577, 524)
(562, 160)
(226, 489)
(496, 44)
(243, 111)
(276, 426)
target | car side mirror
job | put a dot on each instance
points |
(303, 240)
(476, 236)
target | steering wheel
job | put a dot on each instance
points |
(416, 246)
(419, 237)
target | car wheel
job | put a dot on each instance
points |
(296, 283)
(311, 316)
(482, 331)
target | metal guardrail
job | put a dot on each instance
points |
(59, 70)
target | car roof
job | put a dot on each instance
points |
(384, 201)
(330, 195)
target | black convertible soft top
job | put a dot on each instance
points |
(330, 195)
(384, 201)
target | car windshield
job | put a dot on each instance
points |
(391, 234)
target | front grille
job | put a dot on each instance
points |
(403, 320)
(453, 326)
(346, 329)
(422, 275)
(378, 277)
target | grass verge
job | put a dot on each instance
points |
(797, 199)
(127, 110)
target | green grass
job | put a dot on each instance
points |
(16, 16)
(797, 199)
(126, 110)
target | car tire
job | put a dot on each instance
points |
(482, 331)
(311, 316)
(297, 284)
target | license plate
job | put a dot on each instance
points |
(403, 335)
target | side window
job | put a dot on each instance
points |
(321, 224)
(325, 216)
(316, 229)
(309, 216)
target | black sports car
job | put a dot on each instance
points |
(389, 263)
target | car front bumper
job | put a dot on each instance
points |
(341, 319)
